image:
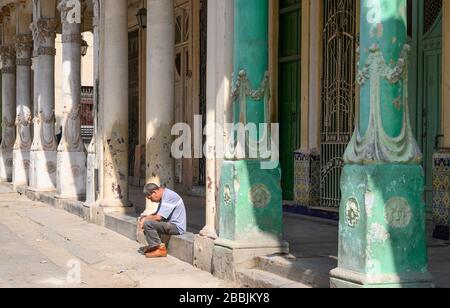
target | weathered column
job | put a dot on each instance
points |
(382, 234)
(251, 217)
(8, 54)
(160, 93)
(307, 158)
(24, 119)
(115, 104)
(71, 174)
(92, 156)
(44, 147)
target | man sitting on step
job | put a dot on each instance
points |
(170, 219)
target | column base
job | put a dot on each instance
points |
(71, 175)
(343, 279)
(43, 171)
(230, 256)
(6, 165)
(21, 168)
(209, 232)
(250, 202)
(382, 228)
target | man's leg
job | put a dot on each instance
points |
(153, 229)
(151, 233)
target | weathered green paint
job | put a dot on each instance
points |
(251, 58)
(384, 23)
(289, 90)
(382, 234)
(384, 132)
(250, 196)
(250, 206)
(382, 225)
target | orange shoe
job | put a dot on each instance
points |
(161, 252)
(149, 249)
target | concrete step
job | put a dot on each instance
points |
(124, 224)
(180, 247)
(255, 278)
(314, 272)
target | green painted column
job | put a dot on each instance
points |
(382, 232)
(250, 195)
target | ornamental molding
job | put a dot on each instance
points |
(376, 146)
(44, 34)
(24, 62)
(23, 127)
(8, 134)
(46, 51)
(44, 136)
(242, 87)
(8, 55)
(71, 139)
(9, 70)
(71, 38)
(23, 45)
(260, 196)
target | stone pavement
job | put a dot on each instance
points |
(313, 246)
(37, 255)
(42, 246)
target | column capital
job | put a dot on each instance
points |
(44, 34)
(8, 57)
(23, 45)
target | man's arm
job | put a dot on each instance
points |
(154, 217)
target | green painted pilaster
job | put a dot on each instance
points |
(250, 195)
(382, 234)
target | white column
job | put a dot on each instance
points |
(220, 68)
(160, 93)
(22, 146)
(92, 149)
(71, 174)
(43, 162)
(114, 107)
(8, 55)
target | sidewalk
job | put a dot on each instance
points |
(313, 246)
(40, 245)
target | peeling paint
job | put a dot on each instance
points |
(370, 199)
(378, 234)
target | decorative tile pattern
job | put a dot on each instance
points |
(441, 187)
(307, 179)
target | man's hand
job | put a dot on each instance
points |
(144, 219)
(142, 222)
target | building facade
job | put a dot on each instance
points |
(209, 63)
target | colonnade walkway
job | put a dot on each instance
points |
(313, 245)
